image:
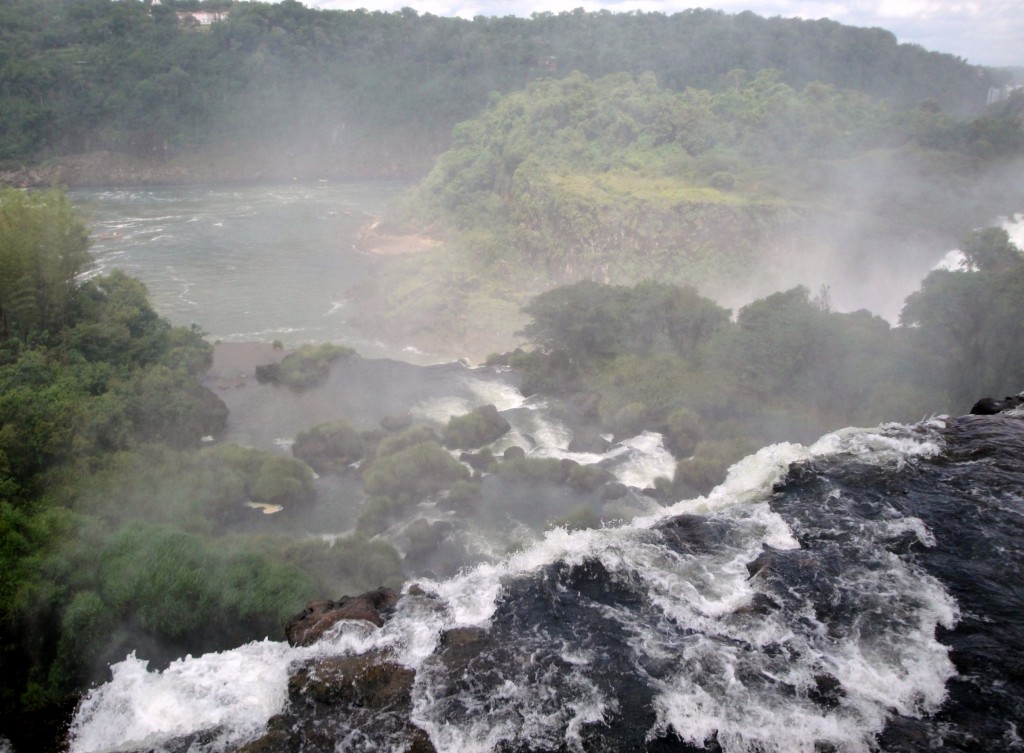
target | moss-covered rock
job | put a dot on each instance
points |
(329, 448)
(413, 473)
(475, 429)
(304, 368)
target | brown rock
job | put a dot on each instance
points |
(366, 697)
(309, 625)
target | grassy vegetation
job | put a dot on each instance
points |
(305, 367)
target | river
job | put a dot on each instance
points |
(861, 593)
(246, 263)
(856, 595)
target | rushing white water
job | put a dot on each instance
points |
(1014, 227)
(713, 666)
(636, 461)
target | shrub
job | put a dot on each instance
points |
(475, 429)
(329, 448)
(462, 497)
(304, 368)
(683, 431)
(630, 420)
(413, 473)
(408, 438)
(350, 565)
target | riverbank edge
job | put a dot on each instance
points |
(103, 169)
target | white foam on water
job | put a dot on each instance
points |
(440, 410)
(647, 460)
(890, 661)
(535, 430)
(723, 679)
(234, 691)
(889, 444)
(500, 394)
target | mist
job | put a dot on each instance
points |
(561, 311)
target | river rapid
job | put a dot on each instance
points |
(859, 594)
(862, 593)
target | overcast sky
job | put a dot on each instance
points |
(985, 32)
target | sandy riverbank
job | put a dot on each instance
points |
(372, 240)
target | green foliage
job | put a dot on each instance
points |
(172, 584)
(127, 77)
(990, 250)
(329, 448)
(970, 319)
(550, 470)
(477, 428)
(462, 497)
(414, 435)
(43, 248)
(305, 367)
(349, 565)
(775, 343)
(588, 320)
(413, 473)
(98, 593)
(203, 492)
(683, 431)
(789, 368)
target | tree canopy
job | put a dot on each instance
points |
(126, 76)
(43, 249)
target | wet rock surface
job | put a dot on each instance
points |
(309, 625)
(365, 700)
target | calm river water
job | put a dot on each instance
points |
(245, 263)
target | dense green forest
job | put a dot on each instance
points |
(360, 93)
(119, 527)
(662, 357)
(737, 191)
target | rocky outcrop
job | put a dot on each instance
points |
(309, 625)
(989, 406)
(365, 699)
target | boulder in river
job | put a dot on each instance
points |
(309, 625)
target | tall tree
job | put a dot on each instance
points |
(43, 248)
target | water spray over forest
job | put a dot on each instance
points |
(566, 397)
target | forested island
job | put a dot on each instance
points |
(627, 197)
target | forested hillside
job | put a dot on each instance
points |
(308, 91)
(740, 191)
